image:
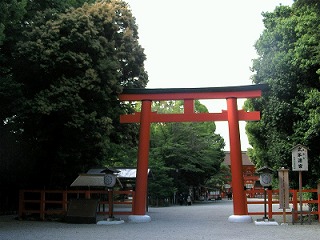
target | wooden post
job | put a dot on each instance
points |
(87, 194)
(65, 200)
(21, 203)
(265, 203)
(300, 195)
(143, 159)
(188, 106)
(318, 207)
(269, 203)
(283, 175)
(42, 204)
(133, 201)
(295, 205)
(318, 192)
(239, 198)
(110, 201)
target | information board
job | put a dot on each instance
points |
(299, 158)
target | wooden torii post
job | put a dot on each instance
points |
(188, 95)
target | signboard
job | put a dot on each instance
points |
(82, 211)
(265, 176)
(266, 179)
(283, 175)
(299, 158)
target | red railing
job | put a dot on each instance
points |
(272, 197)
(55, 202)
(52, 202)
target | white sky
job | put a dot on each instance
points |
(201, 43)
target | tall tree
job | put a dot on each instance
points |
(289, 62)
(16, 16)
(70, 68)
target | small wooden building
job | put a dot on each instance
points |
(248, 168)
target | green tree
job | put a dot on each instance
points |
(219, 179)
(11, 17)
(17, 16)
(70, 70)
(185, 154)
(12, 12)
(289, 62)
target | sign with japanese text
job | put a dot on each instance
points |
(299, 158)
(283, 175)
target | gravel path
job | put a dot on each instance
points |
(199, 221)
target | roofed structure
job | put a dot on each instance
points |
(248, 169)
(245, 159)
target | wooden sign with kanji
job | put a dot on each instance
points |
(300, 158)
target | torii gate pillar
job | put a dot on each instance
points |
(140, 201)
(240, 209)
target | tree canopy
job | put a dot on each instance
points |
(289, 62)
(59, 87)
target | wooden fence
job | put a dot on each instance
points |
(55, 202)
(273, 198)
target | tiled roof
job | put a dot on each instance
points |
(245, 159)
(124, 173)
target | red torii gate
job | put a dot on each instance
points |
(188, 95)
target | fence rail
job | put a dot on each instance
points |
(52, 202)
(55, 202)
(273, 198)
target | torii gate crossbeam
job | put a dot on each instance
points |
(188, 95)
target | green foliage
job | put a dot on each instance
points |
(289, 62)
(162, 186)
(69, 65)
(220, 178)
(12, 11)
(183, 154)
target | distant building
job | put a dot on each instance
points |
(248, 169)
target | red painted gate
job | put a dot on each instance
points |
(189, 95)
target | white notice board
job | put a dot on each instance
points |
(299, 158)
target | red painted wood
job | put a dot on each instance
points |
(139, 207)
(232, 115)
(239, 202)
(195, 117)
(181, 96)
(188, 106)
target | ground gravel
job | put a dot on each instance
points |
(206, 220)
